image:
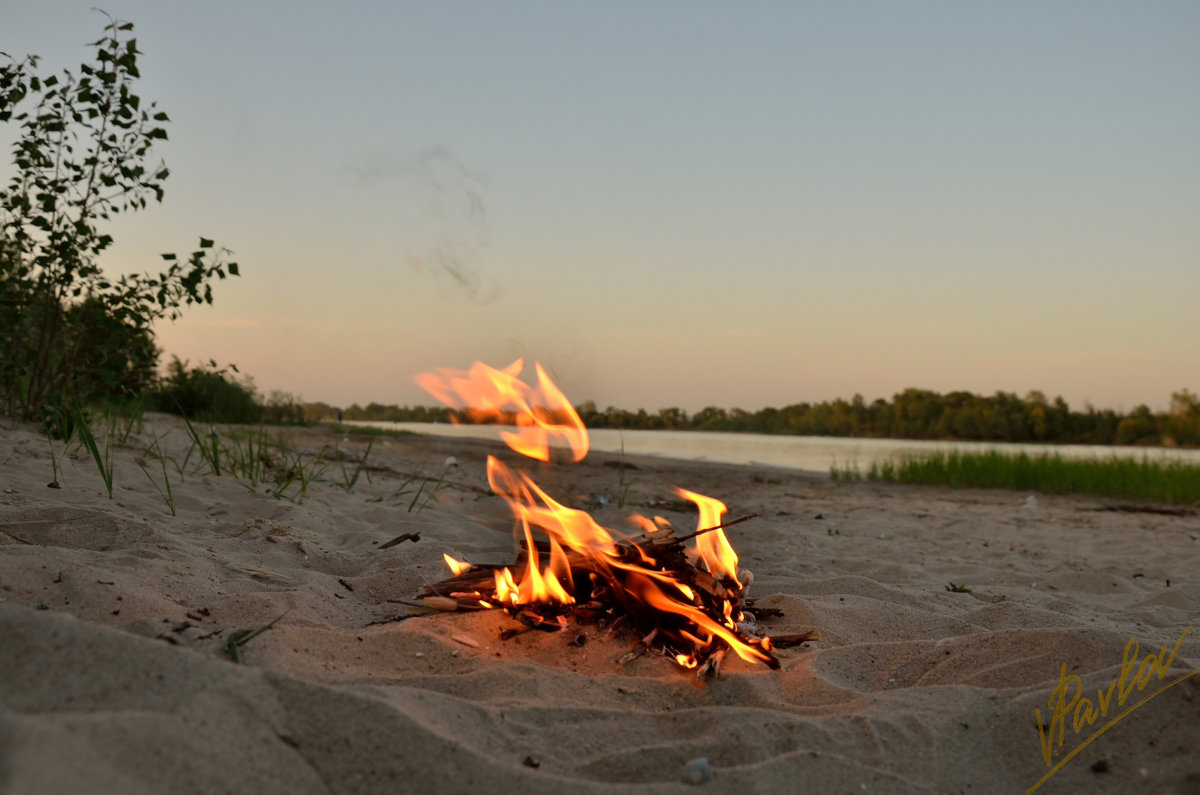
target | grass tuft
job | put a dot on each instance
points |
(164, 491)
(103, 460)
(350, 479)
(1175, 482)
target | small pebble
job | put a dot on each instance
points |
(697, 771)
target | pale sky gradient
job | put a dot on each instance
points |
(676, 203)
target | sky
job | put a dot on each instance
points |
(680, 204)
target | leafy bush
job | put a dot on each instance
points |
(70, 334)
(283, 408)
(206, 394)
(209, 394)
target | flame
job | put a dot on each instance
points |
(714, 548)
(643, 523)
(629, 571)
(541, 414)
(456, 566)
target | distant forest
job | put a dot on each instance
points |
(911, 414)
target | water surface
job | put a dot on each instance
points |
(816, 453)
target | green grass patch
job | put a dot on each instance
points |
(1134, 478)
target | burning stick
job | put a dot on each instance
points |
(650, 582)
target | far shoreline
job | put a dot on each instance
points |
(806, 453)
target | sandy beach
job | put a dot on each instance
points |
(115, 617)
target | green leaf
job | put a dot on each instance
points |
(233, 269)
(168, 257)
(205, 243)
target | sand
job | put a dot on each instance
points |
(115, 615)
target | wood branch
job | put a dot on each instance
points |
(414, 537)
(391, 620)
(788, 641)
(721, 526)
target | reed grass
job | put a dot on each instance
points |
(417, 504)
(255, 460)
(103, 460)
(127, 419)
(1143, 478)
(349, 479)
(210, 448)
(164, 491)
(59, 423)
(55, 467)
(249, 454)
(293, 468)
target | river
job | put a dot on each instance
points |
(815, 453)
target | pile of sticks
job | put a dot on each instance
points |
(613, 594)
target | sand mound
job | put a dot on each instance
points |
(115, 615)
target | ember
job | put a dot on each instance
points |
(687, 602)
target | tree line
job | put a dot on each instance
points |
(911, 414)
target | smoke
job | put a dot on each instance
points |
(436, 205)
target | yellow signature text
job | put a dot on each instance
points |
(1068, 705)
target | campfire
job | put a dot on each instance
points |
(688, 602)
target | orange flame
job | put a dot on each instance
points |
(713, 546)
(541, 414)
(456, 566)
